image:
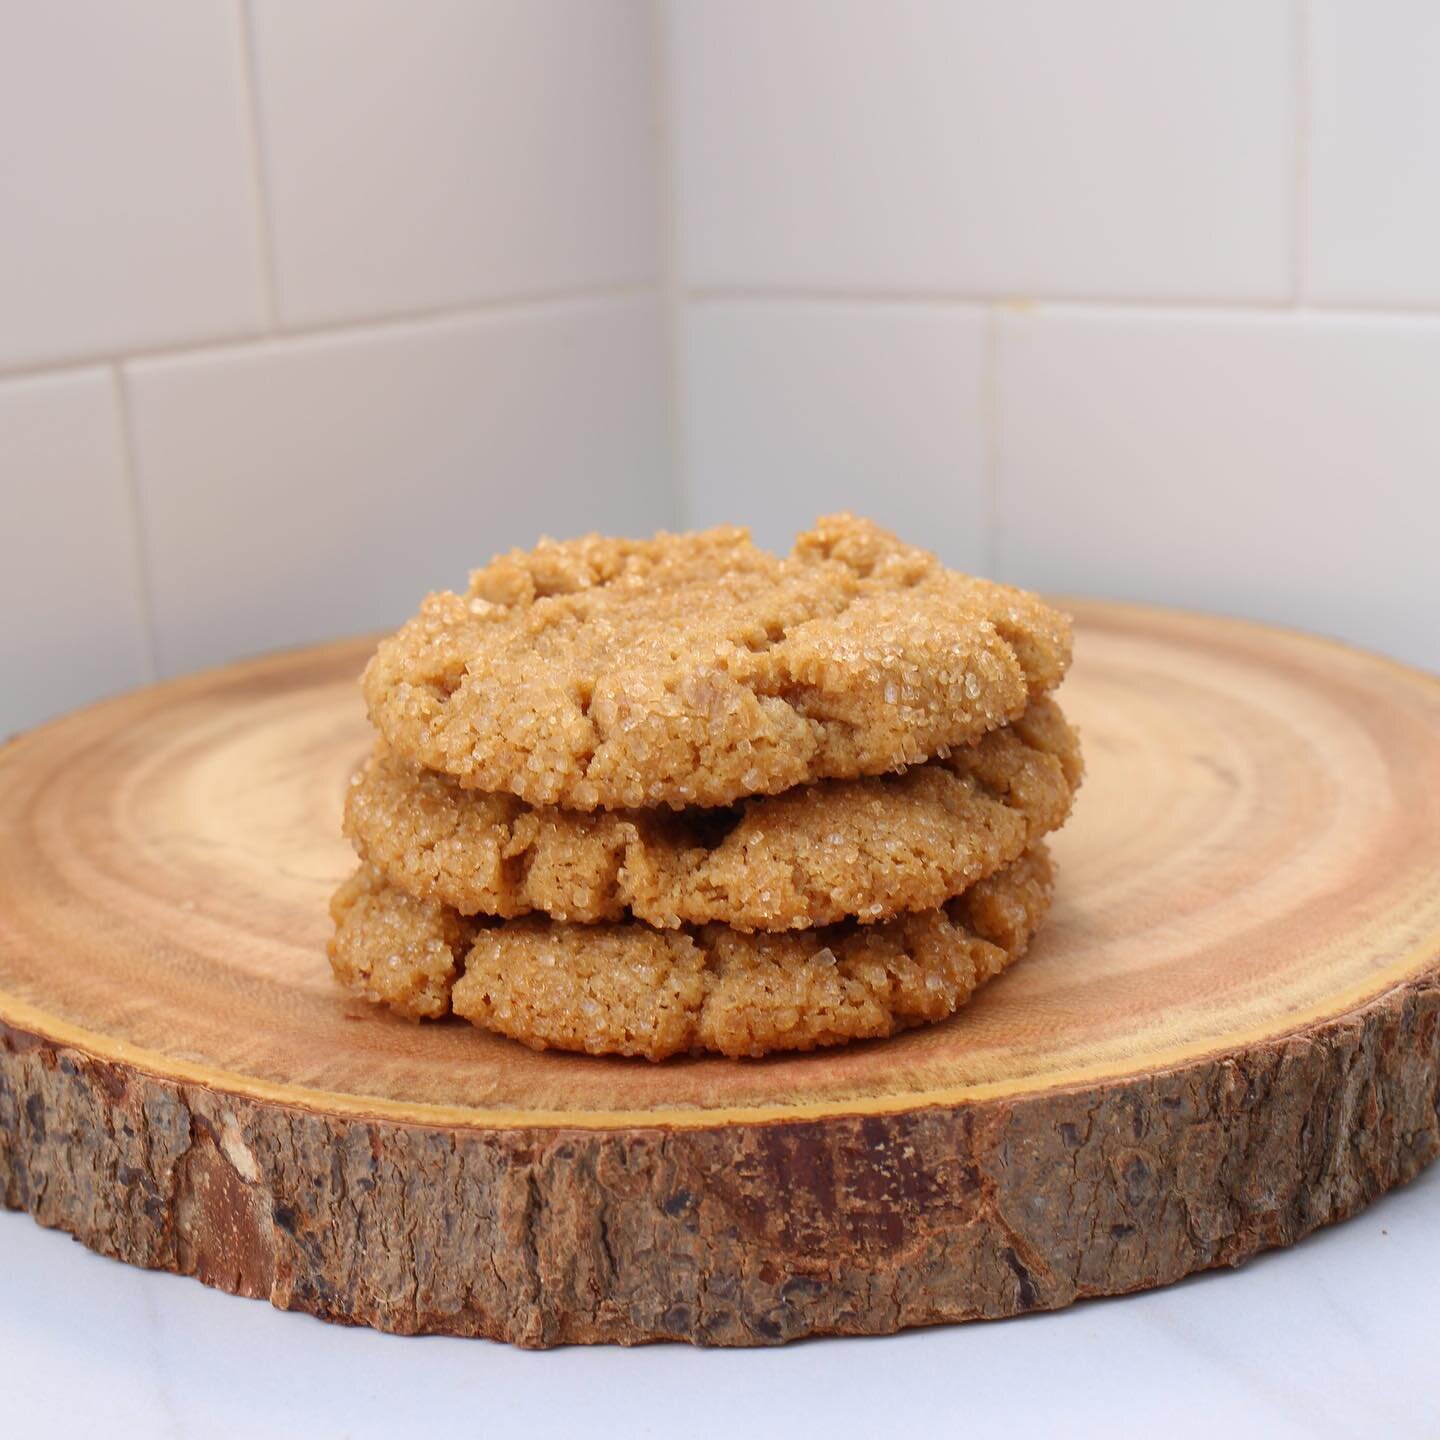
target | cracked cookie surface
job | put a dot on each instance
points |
(630, 989)
(868, 848)
(696, 669)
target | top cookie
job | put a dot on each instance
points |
(696, 669)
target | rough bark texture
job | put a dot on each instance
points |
(738, 1234)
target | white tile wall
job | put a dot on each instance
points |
(797, 410)
(312, 488)
(436, 154)
(70, 585)
(1282, 468)
(1117, 148)
(126, 216)
(853, 193)
(1375, 152)
(168, 169)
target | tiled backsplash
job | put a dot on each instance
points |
(1110, 148)
(419, 156)
(792, 409)
(1104, 297)
(308, 305)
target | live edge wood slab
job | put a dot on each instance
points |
(1229, 1034)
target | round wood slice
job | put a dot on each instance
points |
(1228, 1034)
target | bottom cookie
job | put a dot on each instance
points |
(629, 989)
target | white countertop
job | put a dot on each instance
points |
(1338, 1336)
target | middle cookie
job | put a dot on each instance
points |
(869, 848)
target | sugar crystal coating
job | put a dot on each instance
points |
(697, 669)
(682, 795)
(631, 989)
(407, 960)
(815, 855)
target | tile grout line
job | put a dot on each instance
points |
(380, 326)
(1300, 196)
(377, 325)
(1186, 309)
(978, 299)
(139, 530)
(671, 295)
(264, 219)
(990, 436)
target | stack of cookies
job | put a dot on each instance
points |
(678, 795)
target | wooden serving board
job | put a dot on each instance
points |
(1228, 1035)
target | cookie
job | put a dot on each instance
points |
(867, 848)
(630, 989)
(393, 949)
(697, 669)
